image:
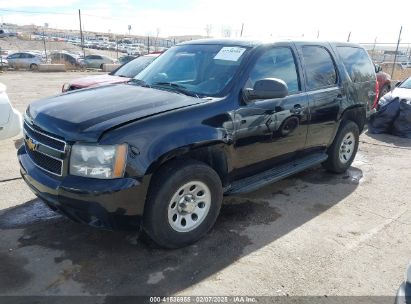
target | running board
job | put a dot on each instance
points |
(255, 182)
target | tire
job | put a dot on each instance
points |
(343, 149)
(173, 220)
(34, 67)
(101, 66)
(385, 89)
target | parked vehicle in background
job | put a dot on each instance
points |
(25, 60)
(97, 61)
(70, 60)
(387, 66)
(384, 81)
(122, 74)
(402, 90)
(6, 33)
(404, 291)
(10, 119)
(4, 64)
(126, 58)
(207, 118)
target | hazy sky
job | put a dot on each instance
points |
(287, 18)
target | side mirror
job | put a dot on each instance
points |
(377, 68)
(268, 88)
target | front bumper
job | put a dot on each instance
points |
(403, 294)
(110, 204)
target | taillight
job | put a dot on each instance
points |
(377, 92)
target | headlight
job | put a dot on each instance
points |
(65, 87)
(105, 162)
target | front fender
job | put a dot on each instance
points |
(174, 144)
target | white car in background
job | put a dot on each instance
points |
(10, 119)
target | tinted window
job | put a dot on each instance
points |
(276, 63)
(357, 63)
(319, 67)
(14, 56)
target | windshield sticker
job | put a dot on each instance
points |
(230, 53)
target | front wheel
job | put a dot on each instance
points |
(342, 152)
(183, 203)
(34, 67)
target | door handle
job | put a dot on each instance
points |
(339, 97)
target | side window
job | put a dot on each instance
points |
(278, 63)
(319, 68)
(357, 63)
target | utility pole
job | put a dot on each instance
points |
(117, 46)
(44, 41)
(148, 44)
(242, 28)
(396, 52)
(81, 34)
(349, 36)
(373, 49)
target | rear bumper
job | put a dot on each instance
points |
(109, 204)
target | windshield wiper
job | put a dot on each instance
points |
(177, 87)
(139, 82)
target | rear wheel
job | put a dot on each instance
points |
(342, 152)
(183, 203)
(34, 67)
(101, 66)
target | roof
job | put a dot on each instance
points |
(247, 42)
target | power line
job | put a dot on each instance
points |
(35, 12)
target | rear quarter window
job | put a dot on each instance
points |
(357, 63)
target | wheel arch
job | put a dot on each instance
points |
(356, 114)
(215, 154)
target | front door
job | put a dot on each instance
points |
(271, 130)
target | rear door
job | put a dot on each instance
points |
(325, 93)
(361, 72)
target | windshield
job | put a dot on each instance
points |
(406, 84)
(134, 67)
(198, 69)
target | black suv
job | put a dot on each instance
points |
(208, 118)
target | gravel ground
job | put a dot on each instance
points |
(313, 234)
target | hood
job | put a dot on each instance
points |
(97, 79)
(84, 115)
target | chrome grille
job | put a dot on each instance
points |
(45, 139)
(46, 151)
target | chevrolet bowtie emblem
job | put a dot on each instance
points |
(31, 144)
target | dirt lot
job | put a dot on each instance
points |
(312, 234)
